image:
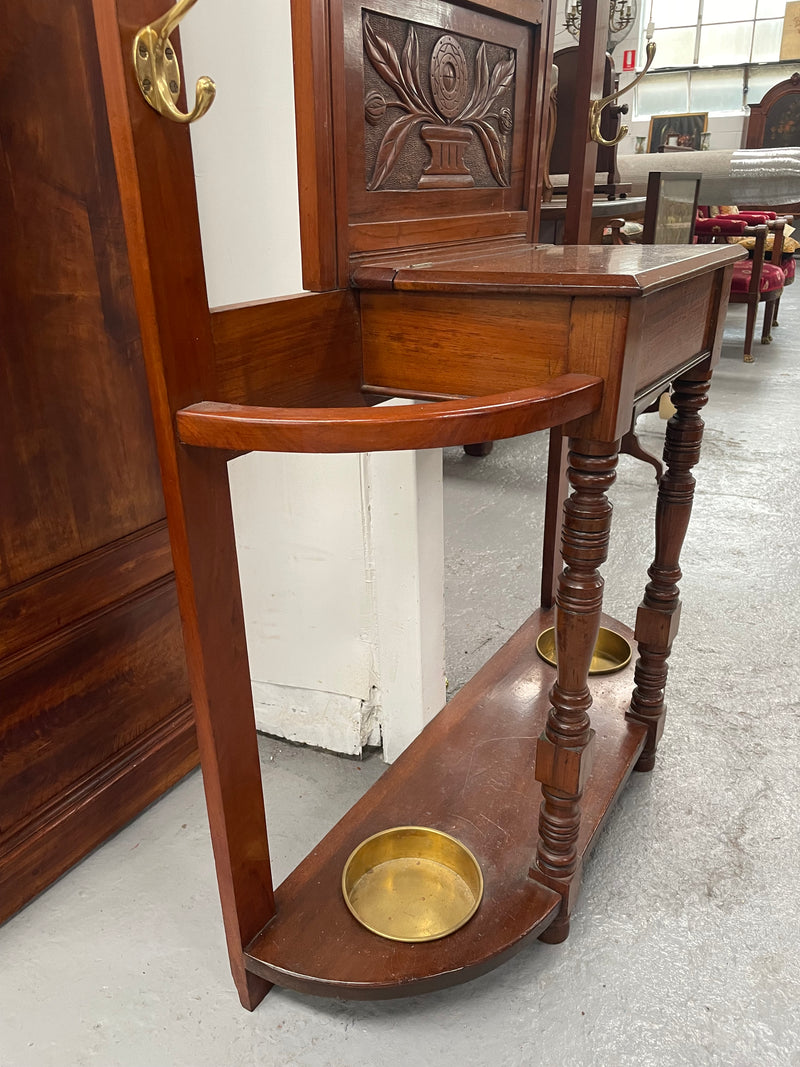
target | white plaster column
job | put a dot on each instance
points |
(340, 556)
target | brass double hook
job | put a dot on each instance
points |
(157, 69)
(596, 107)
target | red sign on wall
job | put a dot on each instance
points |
(629, 59)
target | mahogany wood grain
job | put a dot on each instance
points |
(437, 425)
(476, 340)
(155, 176)
(416, 235)
(541, 105)
(659, 613)
(93, 807)
(301, 350)
(469, 774)
(582, 270)
(93, 715)
(557, 489)
(69, 340)
(494, 318)
(583, 150)
(56, 695)
(565, 750)
(60, 597)
(314, 133)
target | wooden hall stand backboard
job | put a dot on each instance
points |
(427, 287)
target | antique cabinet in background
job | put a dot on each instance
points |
(95, 717)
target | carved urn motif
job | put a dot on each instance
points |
(449, 118)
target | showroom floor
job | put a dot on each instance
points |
(684, 947)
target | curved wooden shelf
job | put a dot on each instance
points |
(469, 773)
(241, 428)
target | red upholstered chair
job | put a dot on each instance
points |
(757, 280)
(775, 223)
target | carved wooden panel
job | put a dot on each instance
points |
(436, 119)
(438, 108)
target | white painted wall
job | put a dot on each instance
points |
(341, 557)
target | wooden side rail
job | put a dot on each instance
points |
(239, 428)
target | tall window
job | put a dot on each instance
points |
(707, 33)
(713, 55)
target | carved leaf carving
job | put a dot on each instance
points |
(502, 78)
(492, 147)
(391, 147)
(384, 59)
(410, 62)
(487, 89)
(481, 87)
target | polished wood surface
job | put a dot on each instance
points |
(451, 422)
(156, 178)
(586, 270)
(583, 150)
(94, 699)
(659, 613)
(469, 773)
(302, 350)
(565, 751)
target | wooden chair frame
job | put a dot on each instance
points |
(754, 294)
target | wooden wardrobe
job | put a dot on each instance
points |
(95, 714)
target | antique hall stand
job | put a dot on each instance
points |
(419, 142)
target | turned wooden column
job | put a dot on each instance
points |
(659, 613)
(564, 750)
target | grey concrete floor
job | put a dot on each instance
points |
(684, 948)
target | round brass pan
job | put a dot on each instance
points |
(411, 883)
(611, 651)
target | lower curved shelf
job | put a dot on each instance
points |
(470, 773)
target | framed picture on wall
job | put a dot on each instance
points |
(677, 131)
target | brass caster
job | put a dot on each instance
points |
(766, 340)
(775, 322)
(748, 358)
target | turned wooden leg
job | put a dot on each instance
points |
(564, 750)
(766, 329)
(775, 312)
(555, 495)
(659, 613)
(749, 330)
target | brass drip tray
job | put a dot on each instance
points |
(411, 883)
(611, 651)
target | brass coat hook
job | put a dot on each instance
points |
(596, 107)
(157, 69)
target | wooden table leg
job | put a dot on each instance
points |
(564, 750)
(659, 613)
(555, 495)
